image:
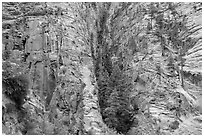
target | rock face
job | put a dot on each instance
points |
(93, 123)
(61, 86)
(75, 88)
(63, 95)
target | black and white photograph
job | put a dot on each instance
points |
(101, 68)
